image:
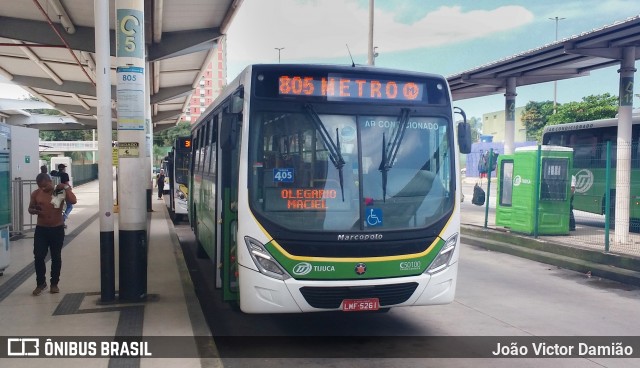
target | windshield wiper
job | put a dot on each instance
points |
(390, 151)
(335, 152)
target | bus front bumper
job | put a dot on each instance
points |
(262, 294)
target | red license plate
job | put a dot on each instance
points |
(357, 305)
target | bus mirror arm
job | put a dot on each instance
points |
(464, 132)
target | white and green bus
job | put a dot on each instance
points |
(177, 165)
(318, 188)
(589, 141)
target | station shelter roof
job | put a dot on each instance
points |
(47, 47)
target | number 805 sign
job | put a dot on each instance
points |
(283, 175)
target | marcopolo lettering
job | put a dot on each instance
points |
(361, 237)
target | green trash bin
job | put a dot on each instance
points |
(518, 186)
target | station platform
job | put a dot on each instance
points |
(171, 309)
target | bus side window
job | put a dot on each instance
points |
(585, 149)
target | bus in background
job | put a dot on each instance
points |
(319, 188)
(177, 172)
(589, 142)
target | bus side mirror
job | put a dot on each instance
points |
(464, 132)
(229, 131)
(464, 137)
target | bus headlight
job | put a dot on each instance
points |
(442, 259)
(263, 260)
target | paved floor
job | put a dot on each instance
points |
(171, 310)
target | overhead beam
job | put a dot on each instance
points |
(614, 53)
(165, 115)
(169, 93)
(183, 43)
(13, 104)
(520, 60)
(542, 65)
(81, 88)
(173, 43)
(76, 109)
(603, 38)
(40, 32)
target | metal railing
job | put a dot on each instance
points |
(594, 210)
(68, 146)
(21, 220)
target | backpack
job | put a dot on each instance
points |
(478, 195)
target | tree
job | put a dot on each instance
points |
(67, 135)
(476, 128)
(163, 141)
(166, 137)
(592, 107)
(537, 115)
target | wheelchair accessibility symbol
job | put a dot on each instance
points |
(374, 217)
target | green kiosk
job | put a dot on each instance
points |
(527, 181)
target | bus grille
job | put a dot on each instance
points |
(331, 297)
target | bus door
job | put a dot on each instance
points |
(227, 215)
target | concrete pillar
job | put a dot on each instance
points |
(148, 149)
(130, 73)
(105, 172)
(510, 116)
(623, 151)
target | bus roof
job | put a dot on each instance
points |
(544, 148)
(240, 80)
(586, 125)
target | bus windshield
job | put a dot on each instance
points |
(181, 165)
(305, 179)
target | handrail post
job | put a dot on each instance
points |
(536, 207)
(607, 197)
(486, 208)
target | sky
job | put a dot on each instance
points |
(441, 37)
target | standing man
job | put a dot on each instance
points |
(160, 183)
(47, 203)
(44, 170)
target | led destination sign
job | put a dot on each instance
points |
(305, 199)
(344, 88)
